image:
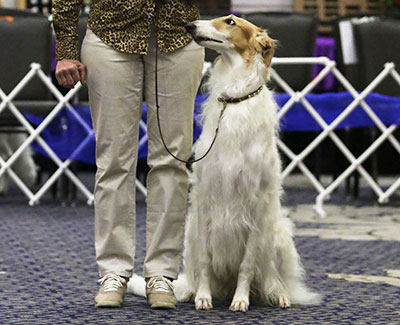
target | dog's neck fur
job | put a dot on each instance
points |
(233, 77)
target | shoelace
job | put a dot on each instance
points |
(112, 282)
(160, 284)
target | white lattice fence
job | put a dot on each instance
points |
(297, 160)
(34, 135)
(328, 130)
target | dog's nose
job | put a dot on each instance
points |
(190, 27)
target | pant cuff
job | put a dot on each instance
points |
(150, 274)
(120, 273)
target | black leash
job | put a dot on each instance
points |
(186, 161)
(224, 101)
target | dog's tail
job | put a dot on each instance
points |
(137, 286)
(301, 295)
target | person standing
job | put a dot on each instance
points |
(118, 61)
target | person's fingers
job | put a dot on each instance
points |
(69, 72)
(82, 73)
(60, 78)
(75, 75)
(66, 79)
(69, 80)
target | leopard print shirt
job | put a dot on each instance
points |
(124, 25)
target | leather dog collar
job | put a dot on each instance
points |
(240, 99)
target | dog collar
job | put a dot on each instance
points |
(240, 99)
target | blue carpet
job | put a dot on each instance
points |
(48, 276)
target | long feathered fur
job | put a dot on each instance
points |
(238, 243)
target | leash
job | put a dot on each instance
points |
(224, 101)
(190, 160)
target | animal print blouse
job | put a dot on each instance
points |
(125, 25)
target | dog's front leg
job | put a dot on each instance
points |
(241, 299)
(203, 299)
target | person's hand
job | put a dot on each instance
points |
(69, 72)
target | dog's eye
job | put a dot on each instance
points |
(230, 21)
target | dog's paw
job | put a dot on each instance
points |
(239, 305)
(280, 300)
(284, 301)
(203, 303)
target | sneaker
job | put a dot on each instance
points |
(112, 291)
(160, 292)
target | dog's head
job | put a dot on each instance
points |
(231, 34)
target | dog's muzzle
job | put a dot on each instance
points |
(191, 28)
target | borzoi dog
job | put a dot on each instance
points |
(238, 245)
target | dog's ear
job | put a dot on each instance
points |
(265, 46)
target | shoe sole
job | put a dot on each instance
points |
(110, 304)
(163, 305)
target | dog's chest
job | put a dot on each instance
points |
(237, 165)
(226, 173)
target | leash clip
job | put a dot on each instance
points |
(222, 100)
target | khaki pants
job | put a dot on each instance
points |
(117, 82)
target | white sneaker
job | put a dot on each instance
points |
(160, 292)
(112, 291)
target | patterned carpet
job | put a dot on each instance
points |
(48, 272)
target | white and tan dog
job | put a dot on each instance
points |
(238, 245)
